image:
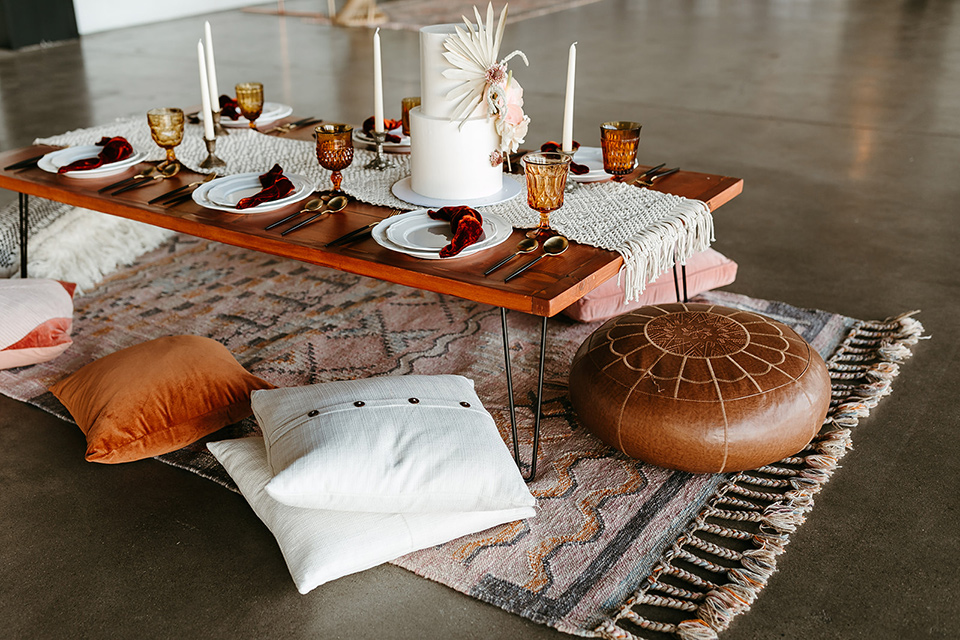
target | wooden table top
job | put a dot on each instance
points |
(545, 290)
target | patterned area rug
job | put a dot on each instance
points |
(619, 549)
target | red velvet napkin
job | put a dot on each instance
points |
(554, 147)
(229, 107)
(275, 186)
(114, 150)
(466, 224)
(388, 125)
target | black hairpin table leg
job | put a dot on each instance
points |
(683, 272)
(24, 211)
(513, 409)
(676, 281)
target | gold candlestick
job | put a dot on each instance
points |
(380, 162)
(211, 161)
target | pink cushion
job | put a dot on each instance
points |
(35, 320)
(705, 271)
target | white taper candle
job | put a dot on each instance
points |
(205, 110)
(566, 144)
(211, 67)
(377, 85)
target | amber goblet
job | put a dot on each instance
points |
(166, 129)
(405, 105)
(546, 182)
(335, 150)
(250, 101)
(619, 141)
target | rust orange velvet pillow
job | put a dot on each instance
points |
(156, 397)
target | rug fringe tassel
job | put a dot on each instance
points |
(769, 503)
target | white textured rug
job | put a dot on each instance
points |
(84, 246)
(73, 244)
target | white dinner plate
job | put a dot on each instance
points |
(423, 233)
(56, 159)
(362, 137)
(272, 111)
(591, 157)
(231, 189)
(496, 231)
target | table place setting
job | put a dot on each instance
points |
(108, 157)
(420, 234)
(650, 229)
(251, 193)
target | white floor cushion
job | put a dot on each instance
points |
(321, 545)
(390, 444)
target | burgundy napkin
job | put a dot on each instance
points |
(466, 224)
(114, 150)
(275, 186)
(229, 107)
(554, 147)
(388, 125)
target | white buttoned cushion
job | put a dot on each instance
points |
(320, 545)
(390, 444)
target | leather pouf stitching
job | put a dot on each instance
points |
(700, 388)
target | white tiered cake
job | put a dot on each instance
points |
(449, 160)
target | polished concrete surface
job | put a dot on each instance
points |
(843, 118)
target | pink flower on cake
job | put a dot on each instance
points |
(514, 111)
(511, 122)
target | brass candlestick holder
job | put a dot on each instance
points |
(211, 161)
(380, 162)
(218, 129)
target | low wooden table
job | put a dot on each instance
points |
(545, 290)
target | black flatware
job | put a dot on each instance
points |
(173, 193)
(648, 181)
(356, 234)
(646, 174)
(24, 164)
(290, 126)
(336, 203)
(119, 183)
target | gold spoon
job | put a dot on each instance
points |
(337, 203)
(312, 205)
(157, 174)
(524, 246)
(552, 247)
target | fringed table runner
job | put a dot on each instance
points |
(651, 230)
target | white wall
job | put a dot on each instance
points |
(102, 15)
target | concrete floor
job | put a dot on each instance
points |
(842, 116)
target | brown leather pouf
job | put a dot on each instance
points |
(699, 387)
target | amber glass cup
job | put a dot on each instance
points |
(166, 129)
(250, 101)
(335, 150)
(619, 141)
(405, 105)
(546, 181)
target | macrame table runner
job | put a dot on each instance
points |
(651, 230)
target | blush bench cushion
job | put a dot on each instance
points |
(705, 271)
(36, 316)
